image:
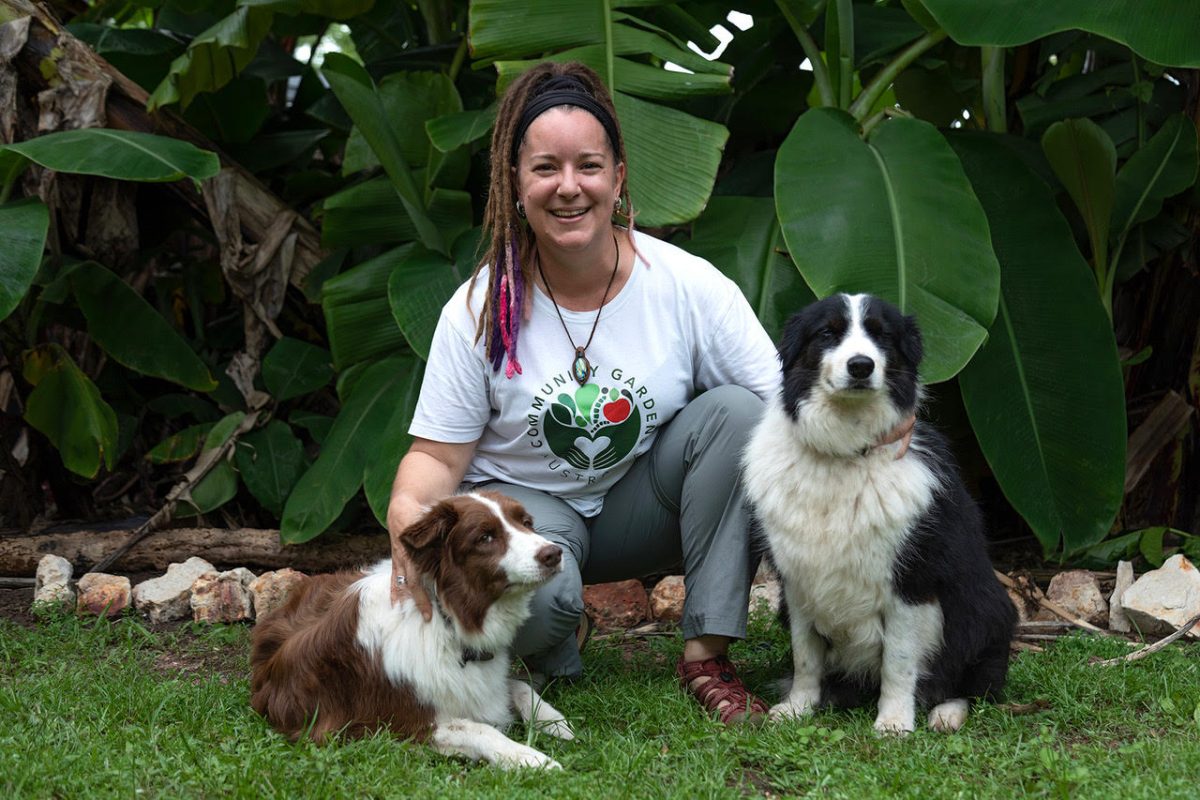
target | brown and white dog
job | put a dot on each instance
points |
(338, 657)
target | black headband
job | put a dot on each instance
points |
(564, 90)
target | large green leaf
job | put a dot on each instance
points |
(380, 473)
(371, 213)
(323, 491)
(415, 97)
(357, 94)
(179, 446)
(358, 316)
(215, 57)
(1084, 159)
(895, 217)
(1045, 394)
(23, 227)
(123, 155)
(658, 140)
(67, 407)
(452, 131)
(132, 332)
(1163, 168)
(420, 284)
(741, 236)
(270, 461)
(219, 484)
(292, 368)
(1163, 31)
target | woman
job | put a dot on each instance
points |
(605, 379)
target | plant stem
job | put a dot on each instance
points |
(862, 106)
(845, 22)
(993, 89)
(460, 55)
(820, 73)
(610, 77)
(433, 12)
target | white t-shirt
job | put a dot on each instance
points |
(677, 327)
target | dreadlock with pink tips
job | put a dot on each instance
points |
(511, 244)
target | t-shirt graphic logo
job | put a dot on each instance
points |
(595, 428)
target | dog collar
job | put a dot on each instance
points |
(469, 654)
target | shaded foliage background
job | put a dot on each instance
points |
(227, 238)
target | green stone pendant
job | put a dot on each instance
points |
(581, 368)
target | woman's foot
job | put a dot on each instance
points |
(716, 686)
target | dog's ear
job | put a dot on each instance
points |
(430, 530)
(791, 343)
(911, 345)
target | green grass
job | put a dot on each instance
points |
(91, 708)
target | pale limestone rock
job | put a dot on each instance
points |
(222, 597)
(1117, 621)
(101, 593)
(765, 597)
(1164, 599)
(52, 583)
(1078, 592)
(168, 597)
(666, 600)
(271, 589)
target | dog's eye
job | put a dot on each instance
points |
(527, 521)
(487, 537)
(825, 334)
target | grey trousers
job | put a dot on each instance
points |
(680, 505)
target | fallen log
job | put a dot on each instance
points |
(253, 548)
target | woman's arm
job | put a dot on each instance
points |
(428, 472)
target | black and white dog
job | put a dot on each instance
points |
(885, 574)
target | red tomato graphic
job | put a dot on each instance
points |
(617, 411)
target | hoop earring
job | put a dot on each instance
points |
(618, 205)
(520, 209)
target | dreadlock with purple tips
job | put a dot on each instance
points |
(511, 244)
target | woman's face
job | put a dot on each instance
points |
(568, 179)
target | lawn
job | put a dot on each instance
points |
(91, 708)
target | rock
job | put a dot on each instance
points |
(1162, 600)
(1117, 621)
(1078, 592)
(222, 597)
(765, 597)
(169, 597)
(101, 593)
(616, 606)
(666, 601)
(271, 589)
(52, 584)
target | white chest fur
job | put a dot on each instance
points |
(427, 655)
(835, 526)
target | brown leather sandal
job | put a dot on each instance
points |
(723, 686)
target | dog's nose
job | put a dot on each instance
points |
(549, 556)
(860, 367)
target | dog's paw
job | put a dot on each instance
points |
(520, 756)
(948, 716)
(792, 709)
(558, 728)
(894, 724)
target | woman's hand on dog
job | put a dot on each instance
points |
(403, 588)
(902, 433)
